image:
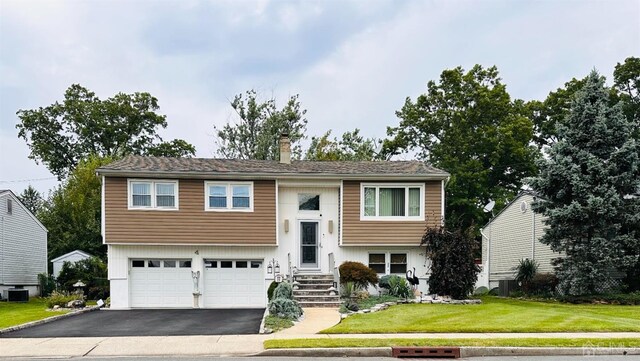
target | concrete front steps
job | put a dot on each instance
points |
(314, 290)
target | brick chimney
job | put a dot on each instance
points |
(285, 149)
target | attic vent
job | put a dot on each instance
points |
(9, 206)
(523, 207)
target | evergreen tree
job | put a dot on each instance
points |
(32, 199)
(586, 183)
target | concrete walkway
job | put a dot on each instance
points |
(236, 345)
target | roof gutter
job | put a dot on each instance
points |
(236, 175)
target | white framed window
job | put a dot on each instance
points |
(388, 262)
(228, 196)
(392, 202)
(153, 194)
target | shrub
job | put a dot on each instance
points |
(543, 284)
(47, 284)
(272, 288)
(481, 291)
(285, 308)
(525, 271)
(92, 271)
(613, 298)
(453, 268)
(283, 290)
(347, 290)
(356, 272)
(351, 305)
(384, 281)
(61, 298)
(399, 287)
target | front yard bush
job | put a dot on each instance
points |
(285, 308)
(283, 290)
(453, 269)
(614, 299)
(525, 271)
(384, 281)
(356, 272)
(61, 298)
(272, 287)
(399, 287)
(543, 284)
(47, 284)
(91, 271)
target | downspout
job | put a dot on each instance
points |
(533, 239)
(488, 254)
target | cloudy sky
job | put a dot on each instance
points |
(353, 63)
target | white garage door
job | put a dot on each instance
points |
(234, 283)
(161, 283)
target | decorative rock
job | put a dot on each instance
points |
(76, 304)
(55, 307)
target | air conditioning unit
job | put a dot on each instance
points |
(505, 287)
(16, 295)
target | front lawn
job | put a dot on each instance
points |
(275, 323)
(16, 313)
(452, 342)
(494, 315)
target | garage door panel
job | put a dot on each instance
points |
(160, 287)
(234, 287)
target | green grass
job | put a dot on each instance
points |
(276, 323)
(494, 315)
(434, 342)
(15, 313)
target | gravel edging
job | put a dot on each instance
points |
(464, 351)
(48, 319)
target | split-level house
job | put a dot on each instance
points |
(214, 233)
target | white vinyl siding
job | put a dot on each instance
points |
(153, 194)
(23, 245)
(228, 196)
(512, 239)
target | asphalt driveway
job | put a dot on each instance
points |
(108, 323)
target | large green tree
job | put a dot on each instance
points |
(585, 185)
(72, 212)
(62, 134)
(554, 109)
(351, 146)
(468, 125)
(626, 80)
(32, 199)
(257, 131)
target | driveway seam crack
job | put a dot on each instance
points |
(93, 348)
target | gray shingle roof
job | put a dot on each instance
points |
(161, 165)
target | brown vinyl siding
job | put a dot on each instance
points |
(191, 224)
(357, 232)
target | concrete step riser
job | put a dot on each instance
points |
(304, 299)
(313, 287)
(303, 282)
(311, 293)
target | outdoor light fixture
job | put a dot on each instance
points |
(273, 266)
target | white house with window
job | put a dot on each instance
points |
(185, 232)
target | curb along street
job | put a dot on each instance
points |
(464, 351)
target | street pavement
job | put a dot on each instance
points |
(210, 358)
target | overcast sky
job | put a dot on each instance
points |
(353, 63)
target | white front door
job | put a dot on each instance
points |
(309, 244)
(234, 284)
(160, 283)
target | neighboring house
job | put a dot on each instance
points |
(220, 228)
(23, 245)
(71, 257)
(512, 235)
